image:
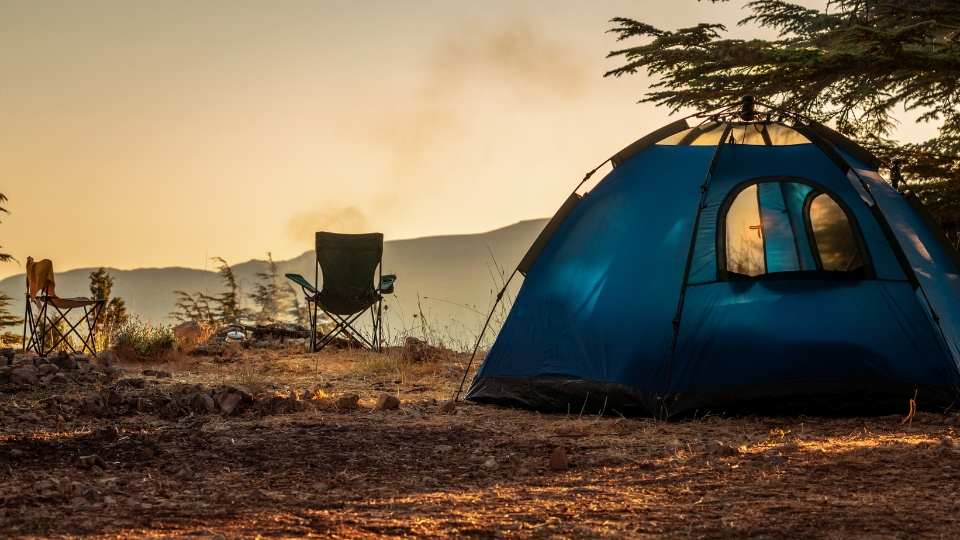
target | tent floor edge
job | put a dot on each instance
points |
(807, 398)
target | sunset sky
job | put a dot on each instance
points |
(144, 134)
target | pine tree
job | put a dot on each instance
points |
(854, 63)
(8, 319)
(114, 313)
(5, 257)
(272, 298)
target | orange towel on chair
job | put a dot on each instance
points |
(40, 277)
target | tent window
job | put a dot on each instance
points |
(745, 235)
(788, 230)
(836, 246)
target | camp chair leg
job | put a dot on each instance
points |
(342, 324)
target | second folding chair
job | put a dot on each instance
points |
(47, 316)
(353, 283)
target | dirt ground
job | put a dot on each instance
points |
(300, 462)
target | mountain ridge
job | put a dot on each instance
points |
(454, 269)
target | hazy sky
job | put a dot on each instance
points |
(138, 134)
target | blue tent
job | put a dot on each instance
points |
(743, 266)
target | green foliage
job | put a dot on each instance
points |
(854, 63)
(227, 304)
(275, 300)
(145, 339)
(114, 313)
(7, 318)
(215, 310)
(5, 257)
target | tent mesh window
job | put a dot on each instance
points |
(753, 133)
(787, 229)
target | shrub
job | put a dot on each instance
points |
(145, 339)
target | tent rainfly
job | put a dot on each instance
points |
(734, 261)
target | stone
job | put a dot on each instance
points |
(93, 460)
(448, 406)
(201, 402)
(52, 401)
(65, 363)
(111, 397)
(109, 433)
(92, 406)
(348, 401)
(232, 398)
(491, 464)
(107, 358)
(8, 353)
(420, 351)
(132, 383)
(188, 334)
(387, 402)
(24, 376)
(20, 359)
(720, 449)
(321, 487)
(164, 375)
(4, 361)
(81, 358)
(59, 378)
(47, 369)
(149, 372)
(558, 461)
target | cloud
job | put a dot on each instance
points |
(346, 219)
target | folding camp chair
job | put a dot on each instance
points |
(46, 311)
(349, 263)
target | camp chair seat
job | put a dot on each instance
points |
(70, 303)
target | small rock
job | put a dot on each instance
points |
(387, 402)
(232, 398)
(448, 406)
(720, 449)
(132, 383)
(92, 406)
(558, 461)
(491, 464)
(8, 353)
(201, 402)
(59, 378)
(86, 462)
(109, 433)
(149, 372)
(188, 333)
(46, 369)
(107, 358)
(320, 487)
(348, 401)
(23, 376)
(108, 500)
(164, 375)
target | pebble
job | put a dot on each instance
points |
(387, 402)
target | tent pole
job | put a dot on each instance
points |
(480, 337)
(500, 295)
(693, 243)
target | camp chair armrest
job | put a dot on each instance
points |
(299, 280)
(386, 283)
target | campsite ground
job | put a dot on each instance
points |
(310, 465)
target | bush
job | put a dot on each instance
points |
(145, 339)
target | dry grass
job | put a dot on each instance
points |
(417, 472)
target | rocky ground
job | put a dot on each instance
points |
(276, 442)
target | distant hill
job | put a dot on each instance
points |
(443, 270)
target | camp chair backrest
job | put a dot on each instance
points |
(349, 264)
